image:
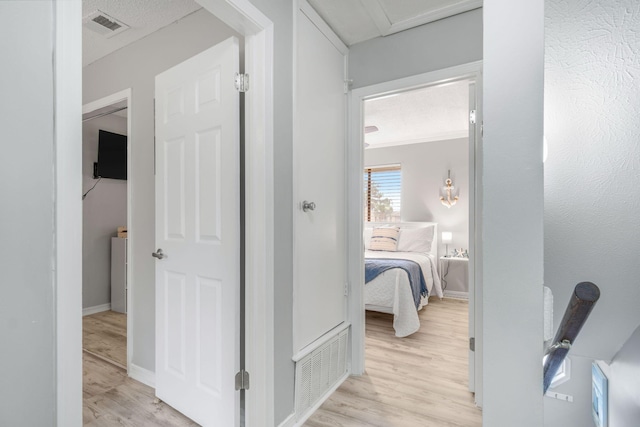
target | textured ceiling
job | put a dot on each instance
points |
(143, 16)
(430, 114)
(355, 21)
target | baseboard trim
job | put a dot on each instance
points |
(456, 294)
(96, 309)
(303, 419)
(145, 376)
(290, 421)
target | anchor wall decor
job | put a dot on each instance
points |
(449, 193)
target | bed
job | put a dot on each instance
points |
(391, 290)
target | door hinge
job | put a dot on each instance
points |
(242, 380)
(347, 85)
(242, 82)
(154, 137)
(472, 117)
(346, 289)
(472, 344)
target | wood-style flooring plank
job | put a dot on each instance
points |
(104, 334)
(420, 380)
(110, 398)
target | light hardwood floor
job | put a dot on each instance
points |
(420, 380)
(104, 335)
(110, 398)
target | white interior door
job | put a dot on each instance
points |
(198, 232)
(319, 177)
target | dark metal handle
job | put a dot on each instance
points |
(585, 296)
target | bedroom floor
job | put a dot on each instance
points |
(110, 398)
(420, 380)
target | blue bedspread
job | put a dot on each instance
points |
(373, 267)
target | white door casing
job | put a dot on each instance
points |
(125, 95)
(198, 230)
(355, 164)
(319, 177)
(473, 121)
(476, 308)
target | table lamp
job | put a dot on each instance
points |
(447, 237)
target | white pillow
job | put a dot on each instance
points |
(384, 239)
(415, 239)
(368, 231)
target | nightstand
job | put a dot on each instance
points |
(454, 276)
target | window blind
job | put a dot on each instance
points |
(382, 193)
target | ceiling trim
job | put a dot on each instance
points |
(434, 138)
(386, 27)
(322, 25)
(378, 15)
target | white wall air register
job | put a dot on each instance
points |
(318, 372)
(103, 24)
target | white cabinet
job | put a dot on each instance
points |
(119, 275)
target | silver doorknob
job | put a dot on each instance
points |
(159, 254)
(308, 206)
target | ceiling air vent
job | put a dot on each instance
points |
(103, 24)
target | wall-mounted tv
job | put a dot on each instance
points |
(112, 156)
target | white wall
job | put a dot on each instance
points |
(512, 213)
(27, 315)
(281, 14)
(104, 210)
(424, 169)
(624, 387)
(560, 413)
(441, 44)
(592, 195)
(135, 66)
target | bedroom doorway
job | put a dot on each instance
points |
(106, 144)
(423, 181)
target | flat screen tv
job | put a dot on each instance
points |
(112, 156)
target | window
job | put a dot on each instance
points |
(382, 188)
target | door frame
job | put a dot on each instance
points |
(258, 30)
(124, 95)
(355, 164)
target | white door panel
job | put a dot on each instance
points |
(320, 245)
(198, 230)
